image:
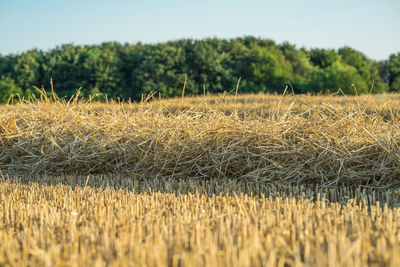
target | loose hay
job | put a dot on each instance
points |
(295, 140)
(218, 181)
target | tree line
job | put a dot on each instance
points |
(128, 71)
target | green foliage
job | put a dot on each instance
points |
(394, 72)
(159, 68)
(383, 70)
(239, 58)
(338, 75)
(65, 65)
(206, 60)
(101, 67)
(323, 57)
(270, 69)
(301, 67)
(129, 71)
(8, 87)
(365, 67)
(27, 68)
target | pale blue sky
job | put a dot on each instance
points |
(371, 26)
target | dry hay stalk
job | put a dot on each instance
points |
(301, 140)
(86, 226)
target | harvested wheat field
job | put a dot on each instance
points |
(253, 180)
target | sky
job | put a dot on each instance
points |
(370, 26)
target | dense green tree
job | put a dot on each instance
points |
(159, 69)
(270, 70)
(383, 70)
(28, 69)
(240, 58)
(301, 66)
(8, 87)
(101, 67)
(394, 72)
(131, 70)
(365, 67)
(323, 57)
(64, 65)
(128, 62)
(7, 64)
(337, 75)
(205, 59)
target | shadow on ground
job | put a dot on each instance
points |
(210, 187)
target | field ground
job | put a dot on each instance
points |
(253, 180)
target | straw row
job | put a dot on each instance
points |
(327, 144)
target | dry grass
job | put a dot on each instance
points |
(61, 226)
(294, 140)
(338, 194)
(258, 180)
